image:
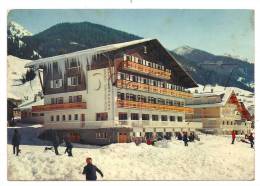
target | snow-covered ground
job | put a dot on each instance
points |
(212, 158)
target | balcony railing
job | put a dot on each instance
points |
(150, 88)
(140, 68)
(151, 106)
(63, 106)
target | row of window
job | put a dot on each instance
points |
(148, 81)
(136, 116)
(72, 99)
(148, 99)
(229, 123)
(64, 117)
(145, 63)
(71, 81)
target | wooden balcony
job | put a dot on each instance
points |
(150, 88)
(151, 106)
(63, 106)
(136, 67)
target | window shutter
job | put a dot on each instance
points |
(69, 81)
(51, 83)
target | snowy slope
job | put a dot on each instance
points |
(212, 158)
(17, 30)
(15, 69)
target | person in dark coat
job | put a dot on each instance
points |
(69, 146)
(233, 136)
(185, 139)
(55, 142)
(16, 139)
(90, 170)
(251, 139)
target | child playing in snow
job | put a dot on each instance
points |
(90, 170)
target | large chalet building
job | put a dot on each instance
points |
(115, 92)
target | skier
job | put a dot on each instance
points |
(16, 139)
(55, 142)
(233, 136)
(90, 170)
(69, 146)
(251, 139)
(185, 139)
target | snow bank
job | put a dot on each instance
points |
(212, 158)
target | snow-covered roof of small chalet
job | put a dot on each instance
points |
(203, 100)
(187, 80)
(30, 103)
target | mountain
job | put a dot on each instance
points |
(207, 68)
(204, 67)
(69, 37)
(16, 45)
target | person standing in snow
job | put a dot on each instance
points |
(16, 139)
(55, 142)
(251, 139)
(90, 170)
(185, 139)
(233, 136)
(69, 146)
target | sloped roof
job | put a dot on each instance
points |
(224, 96)
(187, 80)
(101, 49)
(30, 103)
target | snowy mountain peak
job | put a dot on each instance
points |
(17, 30)
(184, 50)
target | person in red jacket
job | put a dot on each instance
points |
(233, 136)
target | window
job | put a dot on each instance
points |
(164, 118)
(69, 117)
(145, 116)
(76, 117)
(122, 96)
(35, 114)
(52, 118)
(41, 114)
(73, 81)
(101, 135)
(57, 118)
(60, 100)
(57, 83)
(172, 118)
(155, 117)
(101, 116)
(223, 122)
(53, 101)
(70, 99)
(179, 118)
(227, 123)
(63, 117)
(134, 116)
(122, 116)
(79, 98)
(231, 123)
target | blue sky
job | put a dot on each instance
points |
(216, 31)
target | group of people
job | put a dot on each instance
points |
(89, 170)
(56, 143)
(247, 137)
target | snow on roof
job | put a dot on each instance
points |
(30, 103)
(224, 95)
(96, 50)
